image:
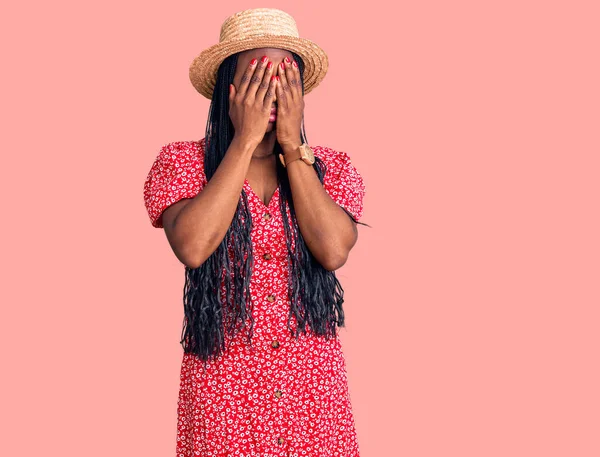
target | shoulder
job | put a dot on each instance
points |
(324, 152)
(330, 154)
(177, 173)
(177, 162)
(333, 158)
(342, 181)
(186, 152)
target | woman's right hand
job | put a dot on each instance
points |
(250, 105)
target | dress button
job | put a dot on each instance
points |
(280, 440)
(271, 298)
(278, 393)
(267, 216)
(275, 344)
(267, 256)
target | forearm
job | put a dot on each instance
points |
(201, 225)
(328, 231)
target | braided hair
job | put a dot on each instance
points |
(211, 316)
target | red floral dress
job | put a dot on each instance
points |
(280, 396)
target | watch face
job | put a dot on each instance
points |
(307, 154)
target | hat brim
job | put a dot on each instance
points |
(203, 69)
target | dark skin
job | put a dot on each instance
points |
(328, 231)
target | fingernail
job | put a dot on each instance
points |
(282, 66)
(270, 64)
(295, 64)
(277, 77)
(264, 59)
(287, 60)
(253, 62)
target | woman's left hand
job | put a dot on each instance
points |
(290, 105)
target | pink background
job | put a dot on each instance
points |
(472, 302)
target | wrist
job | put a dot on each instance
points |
(245, 145)
(290, 148)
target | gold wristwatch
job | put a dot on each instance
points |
(303, 152)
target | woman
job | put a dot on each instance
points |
(261, 220)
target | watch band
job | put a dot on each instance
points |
(297, 154)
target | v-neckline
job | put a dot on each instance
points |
(271, 200)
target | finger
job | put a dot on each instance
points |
(282, 101)
(295, 78)
(246, 77)
(265, 82)
(283, 82)
(270, 93)
(256, 79)
(232, 93)
(291, 78)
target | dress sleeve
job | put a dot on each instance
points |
(343, 182)
(177, 173)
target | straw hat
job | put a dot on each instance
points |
(258, 28)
